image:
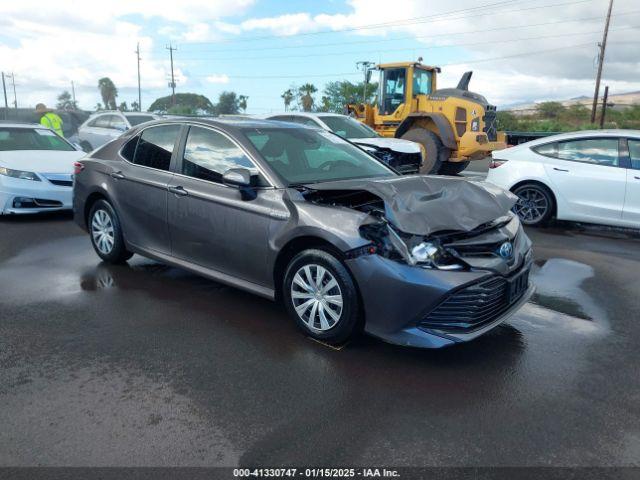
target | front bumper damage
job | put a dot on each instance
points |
(446, 262)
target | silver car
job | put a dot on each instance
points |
(302, 216)
(103, 127)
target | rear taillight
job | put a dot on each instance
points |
(496, 162)
(77, 168)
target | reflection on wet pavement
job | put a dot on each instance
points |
(144, 364)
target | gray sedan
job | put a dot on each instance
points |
(307, 218)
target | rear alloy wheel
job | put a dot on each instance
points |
(535, 204)
(106, 233)
(320, 295)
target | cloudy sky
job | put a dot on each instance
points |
(520, 51)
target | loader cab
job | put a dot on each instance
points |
(401, 83)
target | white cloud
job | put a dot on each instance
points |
(218, 78)
(55, 43)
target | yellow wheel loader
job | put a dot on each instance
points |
(453, 125)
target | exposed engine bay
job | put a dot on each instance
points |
(431, 222)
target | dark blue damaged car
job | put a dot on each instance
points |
(304, 217)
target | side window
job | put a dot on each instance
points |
(548, 149)
(101, 122)
(155, 146)
(209, 154)
(116, 122)
(597, 151)
(421, 82)
(634, 153)
(304, 121)
(129, 149)
(281, 118)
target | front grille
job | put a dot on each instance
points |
(403, 162)
(59, 179)
(478, 304)
(490, 123)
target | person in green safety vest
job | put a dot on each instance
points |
(49, 119)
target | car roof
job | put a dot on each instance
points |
(584, 134)
(305, 114)
(227, 124)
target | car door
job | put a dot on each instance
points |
(631, 211)
(210, 223)
(140, 187)
(587, 175)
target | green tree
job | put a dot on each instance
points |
(186, 104)
(550, 110)
(108, 92)
(287, 96)
(98, 107)
(228, 104)
(242, 102)
(135, 107)
(123, 107)
(305, 96)
(341, 93)
(65, 102)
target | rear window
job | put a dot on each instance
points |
(138, 119)
(32, 139)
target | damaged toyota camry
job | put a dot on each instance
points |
(305, 217)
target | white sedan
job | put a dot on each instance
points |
(36, 169)
(403, 155)
(588, 176)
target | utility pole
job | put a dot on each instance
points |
(13, 82)
(603, 112)
(364, 65)
(139, 91)
(73, 94)
(602, 46)
(173, 80)
(6, 103)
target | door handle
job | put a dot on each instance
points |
(118, 175)
(560, 169)
(180, 191)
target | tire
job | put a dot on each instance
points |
(436, 151)
(452, 168)
(331, 321)
(86, 146)
(535, 205)
(105, 232)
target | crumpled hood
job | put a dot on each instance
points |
(423, 204)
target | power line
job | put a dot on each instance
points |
(465, 62)
(427, 47)
(398, 23)
(413, 37)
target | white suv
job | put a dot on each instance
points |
(103, 127)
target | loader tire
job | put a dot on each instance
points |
(453, 168)
(436, 152)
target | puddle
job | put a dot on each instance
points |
(559, 287)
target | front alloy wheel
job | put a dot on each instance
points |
(316, 297)
(321, 296)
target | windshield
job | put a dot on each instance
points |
(32, 139)
(305, 155)
(138, 119)
(348, 127)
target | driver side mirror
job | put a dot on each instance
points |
(241, 178)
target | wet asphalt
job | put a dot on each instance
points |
(142, 364)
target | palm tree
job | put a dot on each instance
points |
(108, 92)
(287, 96)
(306, 91)
(242, 102)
